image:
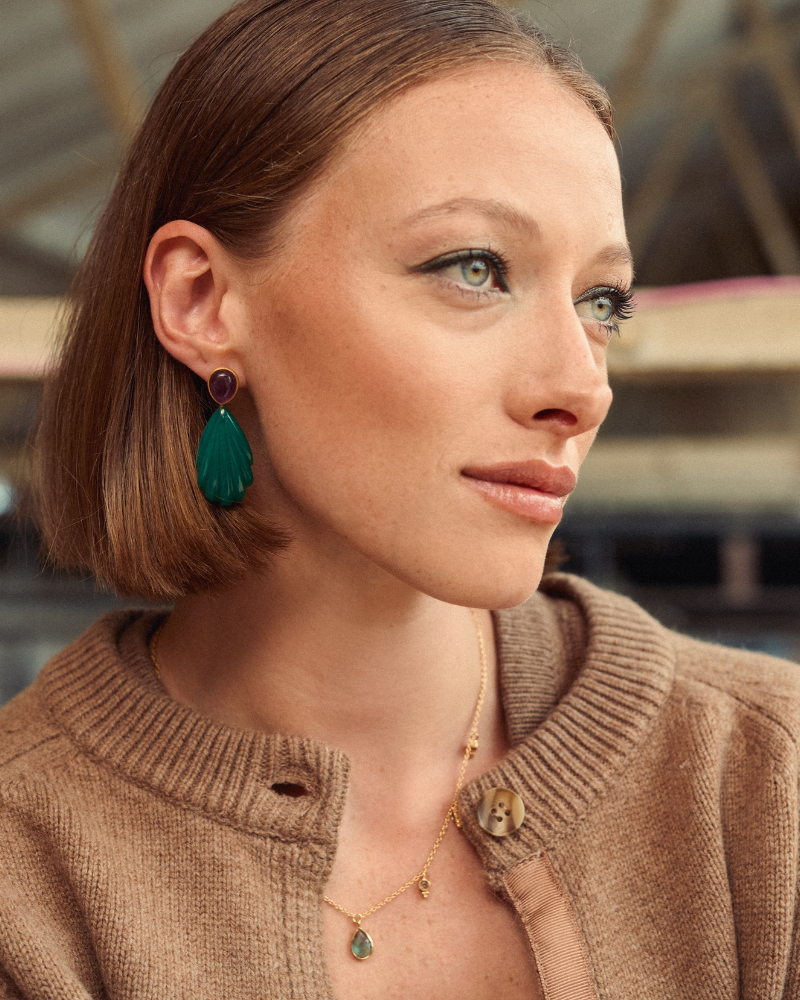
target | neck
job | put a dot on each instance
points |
(358, 661)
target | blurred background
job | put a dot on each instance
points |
(690, 500)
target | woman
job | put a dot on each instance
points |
(395, 228)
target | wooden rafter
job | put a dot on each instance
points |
(771, 45)
(114, 75)
(627, 86)
(721, 62)
(767, 215)
(662, 178)
(775, 54)
(117, 87)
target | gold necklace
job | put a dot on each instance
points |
(361, 944)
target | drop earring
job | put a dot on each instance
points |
(224, 458)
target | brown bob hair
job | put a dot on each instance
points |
(248, 117)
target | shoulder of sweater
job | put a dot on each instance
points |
(30, 742)
(743, 691)
(742, 686)
(33, 747)
(757, 684)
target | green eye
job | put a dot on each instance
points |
(603, 308)
(600, 308)
(475, 271)
(483, 271)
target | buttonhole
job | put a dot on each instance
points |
(288, 788)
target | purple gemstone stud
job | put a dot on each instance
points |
(222, 385)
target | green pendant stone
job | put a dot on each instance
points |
(224, 460)
(361, 945)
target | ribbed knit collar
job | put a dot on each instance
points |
(571, 757)
(102, 691)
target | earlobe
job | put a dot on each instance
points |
(186, 274)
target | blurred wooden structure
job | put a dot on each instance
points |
(714, 328)
(710, 143)
(703, 95)
(28, 335)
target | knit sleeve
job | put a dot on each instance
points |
(45, 944)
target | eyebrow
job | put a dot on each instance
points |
(496, 210)
(620, 253)
(512, 217)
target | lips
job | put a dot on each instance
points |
(533, 489)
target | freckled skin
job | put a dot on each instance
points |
(376, 386)
(369, 385)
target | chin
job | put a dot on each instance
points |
(487, 579)
(505, 594)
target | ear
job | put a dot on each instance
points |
(191, 279)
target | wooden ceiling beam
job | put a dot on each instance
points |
(767, 215)
(627, 88)
(114, 75)
(662, 178)
(118, 88)
(770, 44)
(725, 59)
(775, 54)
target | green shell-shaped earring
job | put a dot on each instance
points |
(224, 458)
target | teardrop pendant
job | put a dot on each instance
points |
(223, 460)
(361, 945)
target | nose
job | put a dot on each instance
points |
(559, 381)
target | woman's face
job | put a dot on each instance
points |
(428, 356)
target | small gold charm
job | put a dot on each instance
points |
(424, 887)
(361, 945)
(454, 814)
(472, 746)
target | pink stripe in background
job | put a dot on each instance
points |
(23, 367)
(728, 288)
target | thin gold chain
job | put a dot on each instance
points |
(452, 812)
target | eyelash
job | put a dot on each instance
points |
(496, 260)
(624, 304)
(623, 297)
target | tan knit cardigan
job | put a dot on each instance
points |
(145, 854)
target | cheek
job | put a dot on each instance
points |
(359, 403)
